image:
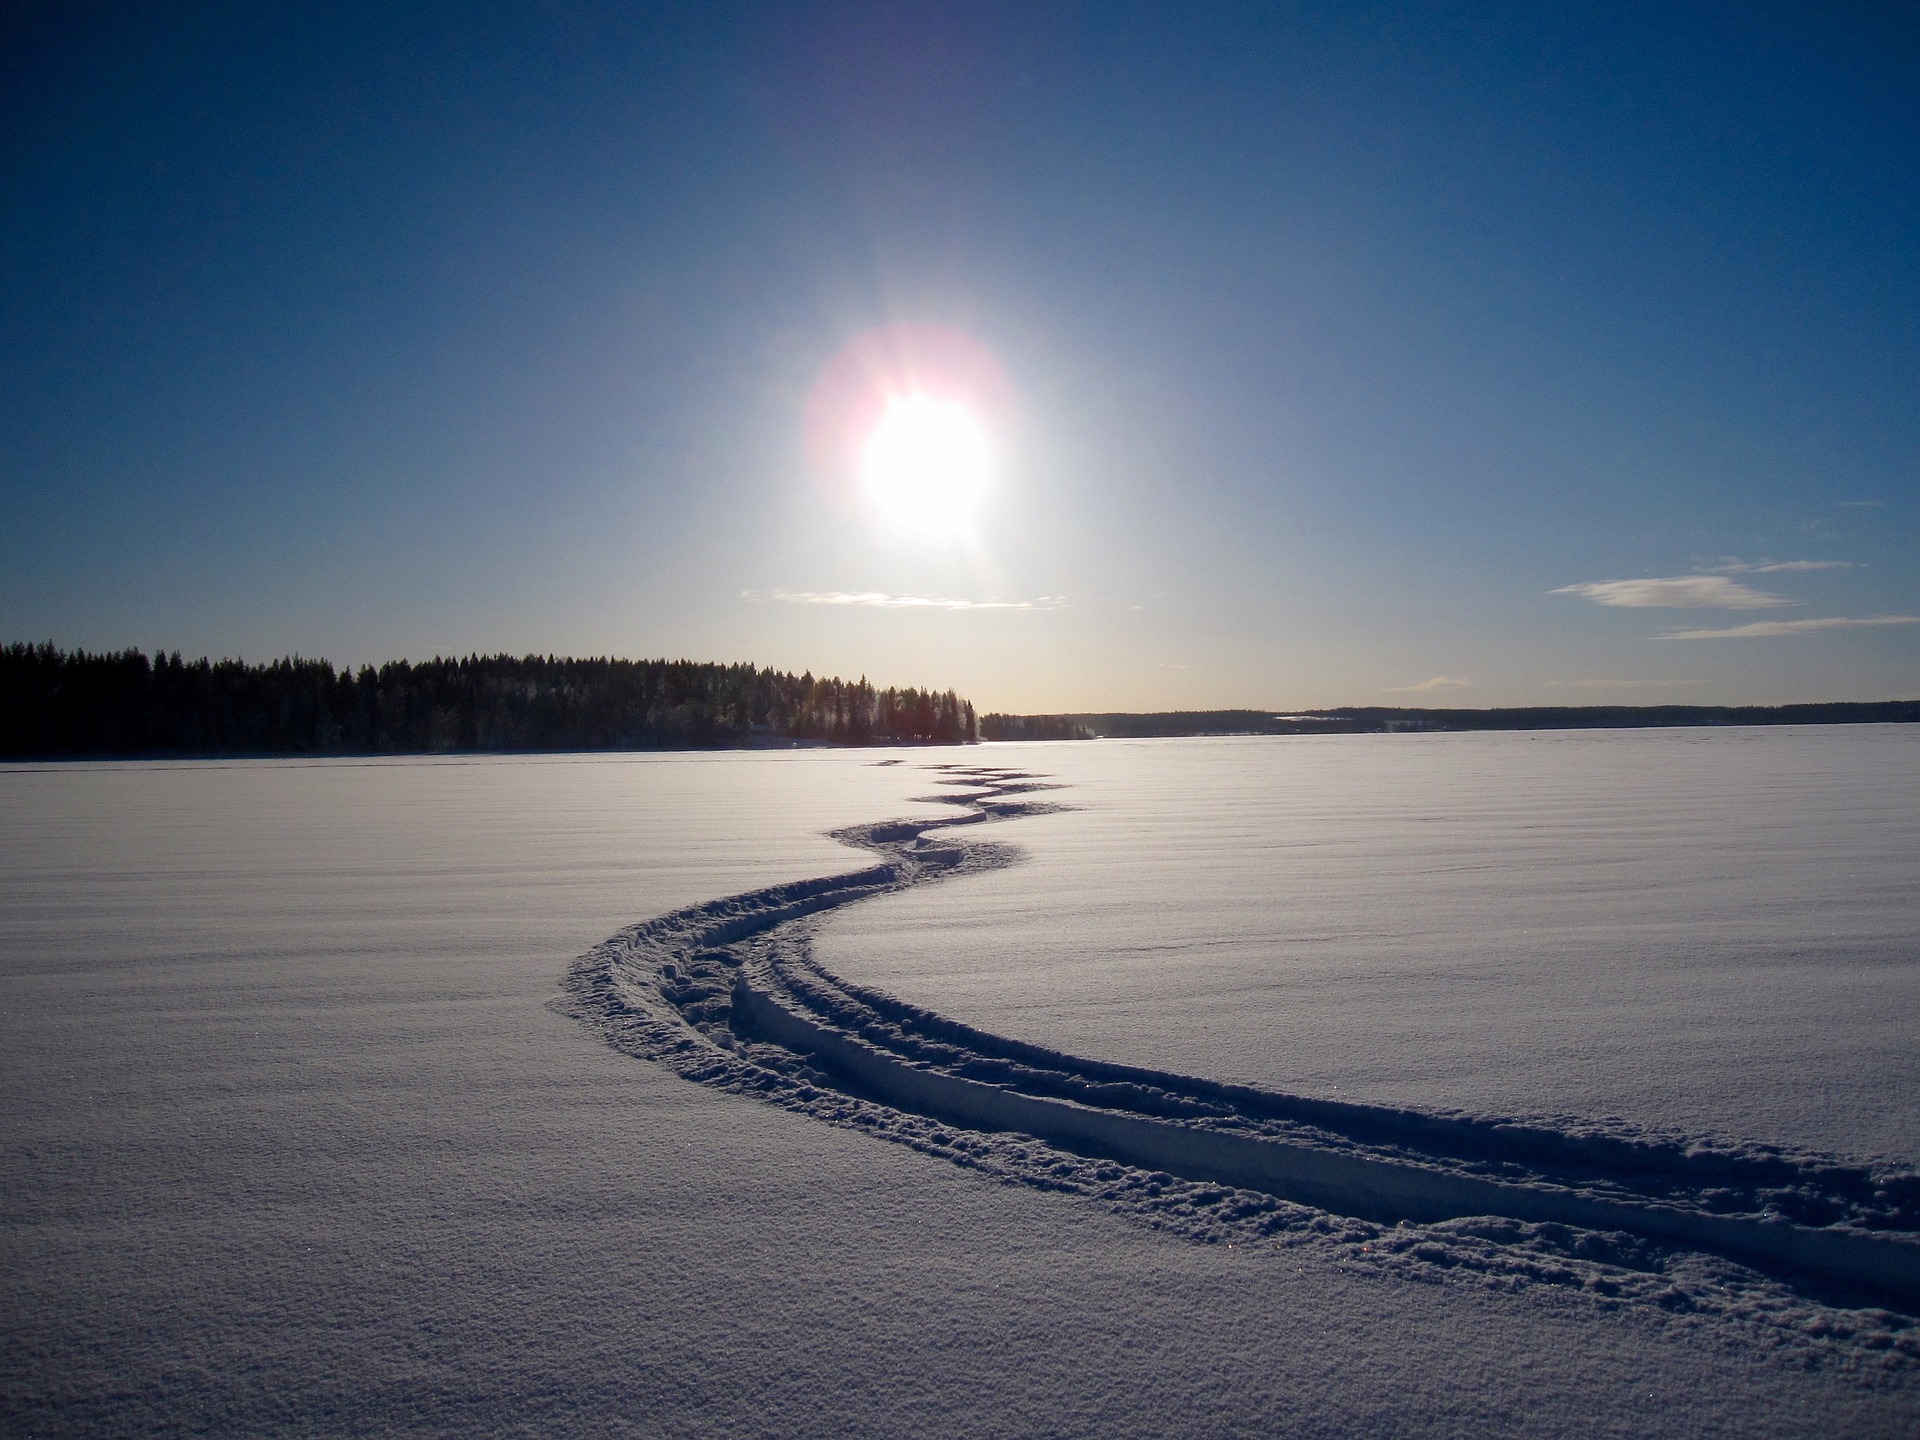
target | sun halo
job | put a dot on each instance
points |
(926, 464)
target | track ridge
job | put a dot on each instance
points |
(729, 993)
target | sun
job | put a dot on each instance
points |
(926, 463)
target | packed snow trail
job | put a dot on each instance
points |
(728, 993)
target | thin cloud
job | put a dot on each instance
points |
(1598, 684)
(1762, 629)
(1732, 566)
(1676, 592)
(1438, 682)
(876, 600)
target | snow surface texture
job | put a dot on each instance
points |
(1689, 930)
(294, 1144)
(729, 993)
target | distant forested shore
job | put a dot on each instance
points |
(1379, 719)
(75, 703)
(72, 703)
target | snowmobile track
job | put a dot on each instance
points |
(728, 993)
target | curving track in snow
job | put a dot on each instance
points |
(728, 993)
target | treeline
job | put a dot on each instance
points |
(1033, 727)
(55, 702)
(1366, 719)
(1380, 719)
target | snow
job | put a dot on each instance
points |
(299, 1139)
(1704, 930)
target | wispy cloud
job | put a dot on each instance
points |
(1438, 682)
(1761, 629)
(1596, 684)
(1734, 566)
(1677, 592)
(876, 600)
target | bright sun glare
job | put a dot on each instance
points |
(926, 464)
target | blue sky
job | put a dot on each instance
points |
(1413, 354)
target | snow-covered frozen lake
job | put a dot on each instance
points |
(1707, 930)
(298, 1138)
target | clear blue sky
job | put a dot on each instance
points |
(1351, 354)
